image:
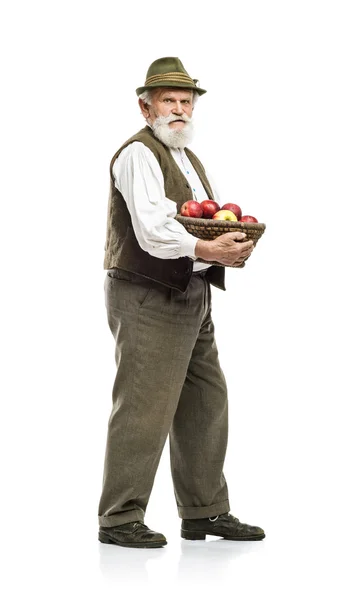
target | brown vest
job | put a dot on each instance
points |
(122, 249)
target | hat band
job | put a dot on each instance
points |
(173, 77)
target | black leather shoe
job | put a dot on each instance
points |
(224, 525)
(131, 535)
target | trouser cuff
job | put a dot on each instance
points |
(121, 518)
(202, 512)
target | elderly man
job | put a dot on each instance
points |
(158, 299)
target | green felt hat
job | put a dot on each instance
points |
(169, 72)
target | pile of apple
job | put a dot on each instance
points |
(208, 209)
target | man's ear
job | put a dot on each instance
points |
(145, 108)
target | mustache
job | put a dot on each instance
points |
(171, 118)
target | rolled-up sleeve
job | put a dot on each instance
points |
(139, 178)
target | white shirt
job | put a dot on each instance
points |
(139, 178)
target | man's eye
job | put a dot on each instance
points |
(167, 100)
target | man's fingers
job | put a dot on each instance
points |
(231, 247)
(235, 235)
(245, 253)
(247, 248)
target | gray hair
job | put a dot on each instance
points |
(146, 97)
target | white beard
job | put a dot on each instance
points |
(173, 138)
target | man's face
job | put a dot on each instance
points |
(170, 102)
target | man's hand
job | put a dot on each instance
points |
(227, 249)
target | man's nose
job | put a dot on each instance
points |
(178, 108)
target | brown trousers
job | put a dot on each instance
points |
(168, 381)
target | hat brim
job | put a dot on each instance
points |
(170, 84)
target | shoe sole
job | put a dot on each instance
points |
(105, 539)
(201, 535)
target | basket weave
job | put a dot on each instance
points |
(209, 229)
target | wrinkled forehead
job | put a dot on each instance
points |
(172, 92)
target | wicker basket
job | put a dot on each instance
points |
(209, 229)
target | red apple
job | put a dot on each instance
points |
(209, 208)
(191, 208)
(248, 219)
(234, 208)
(225, 215)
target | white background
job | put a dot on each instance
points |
(276, 131)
